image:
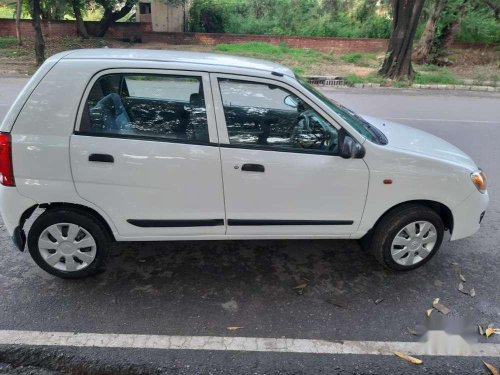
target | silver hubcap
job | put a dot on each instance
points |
(67, 247)
(414, 243)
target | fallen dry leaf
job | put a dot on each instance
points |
(492, 369)
(461, 288)
(440, 307)
(409, 358)
(233, 328)
(481, 330)
(489, 331)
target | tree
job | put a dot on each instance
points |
(81, 30)
(397, 63)
(19, 9)
(451, 28)
(39, 42)
(427, 40)
(113, 11)
(440, 31)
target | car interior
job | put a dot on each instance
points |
(293, 125)
(111, 109)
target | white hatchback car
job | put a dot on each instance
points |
(129, 145)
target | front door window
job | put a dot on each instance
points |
(270, 117)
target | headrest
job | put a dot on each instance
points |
(196, 100)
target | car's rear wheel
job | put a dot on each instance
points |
(68, 243)
(407, 237)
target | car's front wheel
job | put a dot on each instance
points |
(68, 243)
(407, 237)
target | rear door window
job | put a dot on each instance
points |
(148, 106)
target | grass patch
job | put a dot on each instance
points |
(301, 58)
(442, 76)
(14, 53)
(361, 59)
(7, 41)
(272, 51)
(352, 78)
(428, 68)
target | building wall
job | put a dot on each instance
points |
(132, 31)
(163, 16)
(135, 31)
(166, 17)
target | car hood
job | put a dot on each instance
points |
(415, 140)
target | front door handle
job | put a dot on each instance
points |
(253, 168)
(102, 158)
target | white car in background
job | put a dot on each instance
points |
(141, 145)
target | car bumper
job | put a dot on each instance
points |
(467, 216)
(15, 208)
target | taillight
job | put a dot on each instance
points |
(6, 171)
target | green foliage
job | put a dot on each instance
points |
(479, 25)
(287, 17)
(338, 18)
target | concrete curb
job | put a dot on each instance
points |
(341, 83)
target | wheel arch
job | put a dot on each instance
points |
(441, 209)
(78, 208)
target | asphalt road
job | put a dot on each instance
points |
(201, 288)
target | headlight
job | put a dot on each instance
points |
(479, 180)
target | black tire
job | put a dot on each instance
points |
(392, 223)
(80, 218)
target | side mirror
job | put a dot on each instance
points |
(290, 101)
(351, 149)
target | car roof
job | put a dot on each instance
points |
(185, 57)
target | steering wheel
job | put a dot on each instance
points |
(314, 139)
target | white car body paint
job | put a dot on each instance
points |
(50, 162)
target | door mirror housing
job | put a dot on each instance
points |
(350, 149)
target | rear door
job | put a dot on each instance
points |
(145, 151)
(283, 175)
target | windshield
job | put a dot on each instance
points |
(362, 126)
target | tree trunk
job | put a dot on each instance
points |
(39, 42)
(426, 42)
(81, 30)
(450, 31)
(110, 16)
(397, 63)
(18, 19)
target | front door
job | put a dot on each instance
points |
(281, 170)
(146, 153)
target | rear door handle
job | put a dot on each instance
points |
(102, 158)
(253, 168)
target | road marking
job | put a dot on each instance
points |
(442, 120)
(243, 344)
